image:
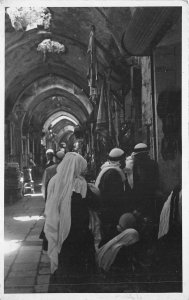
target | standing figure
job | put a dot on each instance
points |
(145, 181)
(110, 182)
(49, 156)
(50, 172)
(70, 241)
(143, 204)
(47, 175)
(32, 165)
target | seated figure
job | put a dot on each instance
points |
(125, 237)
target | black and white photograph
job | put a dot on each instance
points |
(95, 105)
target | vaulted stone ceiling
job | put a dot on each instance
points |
(32, 81)
(70, 26)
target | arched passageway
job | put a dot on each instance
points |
(46, 99)
(38, 86)
(98, 54)
(89, 79)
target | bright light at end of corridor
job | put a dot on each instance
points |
(36, 195)
(33, 195)
(10, 246)
(28, 218)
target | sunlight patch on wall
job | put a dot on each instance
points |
(28, 218)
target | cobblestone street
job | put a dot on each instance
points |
(26, 268)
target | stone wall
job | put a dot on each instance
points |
(168, 78)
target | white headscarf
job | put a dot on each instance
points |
(58, 206)
(108, 252)
(107, 166)
(129, 170)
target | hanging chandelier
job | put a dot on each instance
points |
(48, 45)
(27, 18)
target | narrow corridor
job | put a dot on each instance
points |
(23, 248)
(88, 81)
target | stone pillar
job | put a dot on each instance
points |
(17, 144)
(7, 140)
(147, 113)
(16, 136)
(28, 143)
(11, 138)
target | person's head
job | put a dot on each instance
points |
(74, 163)
(60, 155)
(140, 150)
(49, 154)
(117, 155)
(80, 165)
(78, 146)
(126, 221)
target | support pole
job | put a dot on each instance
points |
(154, 113)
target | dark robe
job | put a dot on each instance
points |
(146, 180)
(112, 206)
(170, 245)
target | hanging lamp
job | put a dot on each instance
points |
(48, 45)
(27, 18)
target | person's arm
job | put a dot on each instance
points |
(93, 197)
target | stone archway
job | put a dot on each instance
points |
(35, 102)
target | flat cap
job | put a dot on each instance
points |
(140, 148)
(116, 154)
(50, 151)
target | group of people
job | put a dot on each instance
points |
(90, 227)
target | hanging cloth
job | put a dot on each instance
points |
(92, 74)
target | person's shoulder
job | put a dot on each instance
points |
(76, 197)
(111, 172)
(54, 166)
(51, 168)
